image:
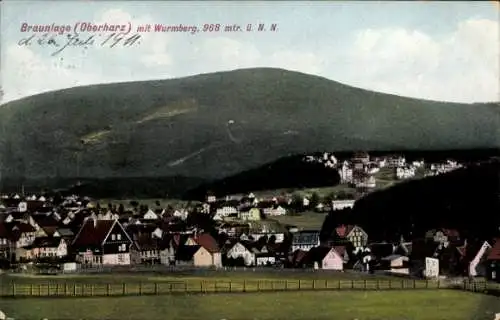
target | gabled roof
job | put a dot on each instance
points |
(343, 230)
(46, 242)
(208, 242)
(93, 232)
(186, 253)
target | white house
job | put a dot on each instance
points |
(476, 268)
(342, 204)
(238, 250)
(346, 173)
(150, 215)
(226, 211)
(405, 172)
(278, 211)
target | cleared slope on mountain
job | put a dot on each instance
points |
(218, 124)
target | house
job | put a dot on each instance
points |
(102, 242)
(406, 172)
(297, 258)
(346, 173)
(342, 204)
(167, 252)
(249, 214)
(493, 262)
(241, 249)
(395, 263)
(473, 258)
(208, 253)
(23, 234)
(47, 247)
(327, 258)
(150, 215)
(276, 210)
(443, 235)
(265, 257)
(305, 240)
(354, 234)
(146, 250)
(226, 211)
(361, 157)
(5, 241)
(422, 249)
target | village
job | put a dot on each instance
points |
(76, 233)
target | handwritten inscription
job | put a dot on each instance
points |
(84, 35)
(60, 42)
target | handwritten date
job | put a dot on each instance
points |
(60, 43)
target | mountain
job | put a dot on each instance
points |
(288, 172)
(215, 125)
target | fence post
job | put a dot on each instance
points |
(352, 284)
(107, 289)
(378, 284)
(286, 285)
(57, 288)
(140, 288)
(427, 284)
(74, 289)
(314, 284)
(31, 290)
(299, 284)
(65, 289)
(13, 289)
(124, 289)
(365, 283)
(326, 283)
(40, 289)
(169, 287)
(244, 286)
(414, 284)
(258, 285)
(230, 286)
(156, 288)
(215, 286)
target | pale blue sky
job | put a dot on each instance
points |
(442, 51)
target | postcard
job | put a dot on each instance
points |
(250, 159)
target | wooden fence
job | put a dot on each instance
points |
(62, 289)
(83, 289)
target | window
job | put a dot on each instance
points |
(118, 237)
(113, 237)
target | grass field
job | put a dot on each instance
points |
(348, 305)
(306, 220)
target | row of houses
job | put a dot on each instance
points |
(74, 231)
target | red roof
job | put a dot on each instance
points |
(451, 232)
(93, 235)
(340, 250)
(343, 230)
(495, 251)
(208, 242)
